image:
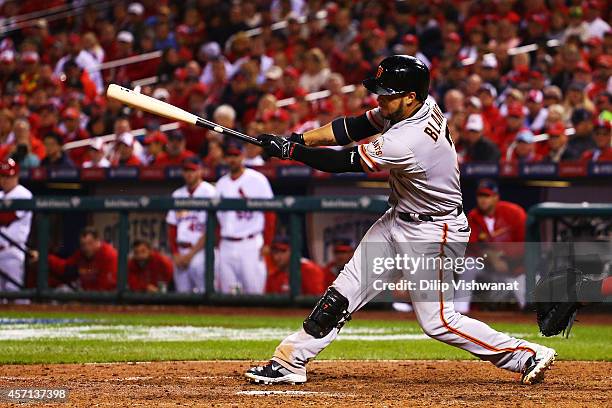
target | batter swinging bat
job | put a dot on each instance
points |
(167, 110)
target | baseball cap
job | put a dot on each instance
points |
(515, 109)
(161, 93)
(125, 36)
(486, 87)
(580, 115)
(70, 113)
(475, 123)
(176, 135)
(274, 73)
(135, 8)
(602, 124)
(9, 167)
(211, 50)
(454, 37)
(556, 129)
(7, 56)
(30, 57)
(292, 72)
(489, 61)
(192, 163)
(475, 102)
(525, 136)
(126, 138)
(583, 66)
(554, 92)
(280, 244)
(535, 95)
(233, 148)
(156, 137)
(343, 245)
(487, 187)
(410, 39)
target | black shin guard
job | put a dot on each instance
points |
(330, 311)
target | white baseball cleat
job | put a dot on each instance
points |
(536, 366)
(273, 373)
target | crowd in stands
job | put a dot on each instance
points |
(52, 84)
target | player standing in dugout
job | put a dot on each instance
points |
(426, 218)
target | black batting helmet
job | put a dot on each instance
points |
(398, 74)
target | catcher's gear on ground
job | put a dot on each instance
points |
(398, 74)
(559, 296)
(330, 311)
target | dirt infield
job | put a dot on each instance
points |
(340, 384)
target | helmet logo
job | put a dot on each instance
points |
(379, 72)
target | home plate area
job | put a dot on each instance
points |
(331, 383)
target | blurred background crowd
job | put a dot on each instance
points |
(518, 80)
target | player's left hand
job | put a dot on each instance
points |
(276, 146)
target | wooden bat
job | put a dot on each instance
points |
(152, 105)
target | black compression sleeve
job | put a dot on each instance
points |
(352, 129)
(328, 160)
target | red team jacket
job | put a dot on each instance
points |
(312, 279)
(158, 269)
(96, 273)
(509, 227)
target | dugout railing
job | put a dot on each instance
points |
(295, 207)
(551, 223)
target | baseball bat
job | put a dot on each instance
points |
(152, 105)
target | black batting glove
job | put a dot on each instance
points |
(275, 146)
(297, 138)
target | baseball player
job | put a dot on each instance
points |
(425, 220)
(14, 224)
(186, 230)
(242, 267)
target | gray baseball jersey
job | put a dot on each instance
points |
(421, 159)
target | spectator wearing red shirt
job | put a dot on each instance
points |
(175, 153)
(71, 131)
(352, 65)
(492, 223)
(125, 151)
(602, 138)
(494, 220)
(487, 94)
(148, 269)
(514, 123)
(343, 252)
(523, 150)
(278, 271)
(154, 144)
(94, 264)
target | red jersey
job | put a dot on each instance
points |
(508, 226)
(330, 273)
(597, 155)
(166, 160)
(96, 273)
(312, 278)
(158, 268)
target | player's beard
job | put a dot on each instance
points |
(397, 115)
